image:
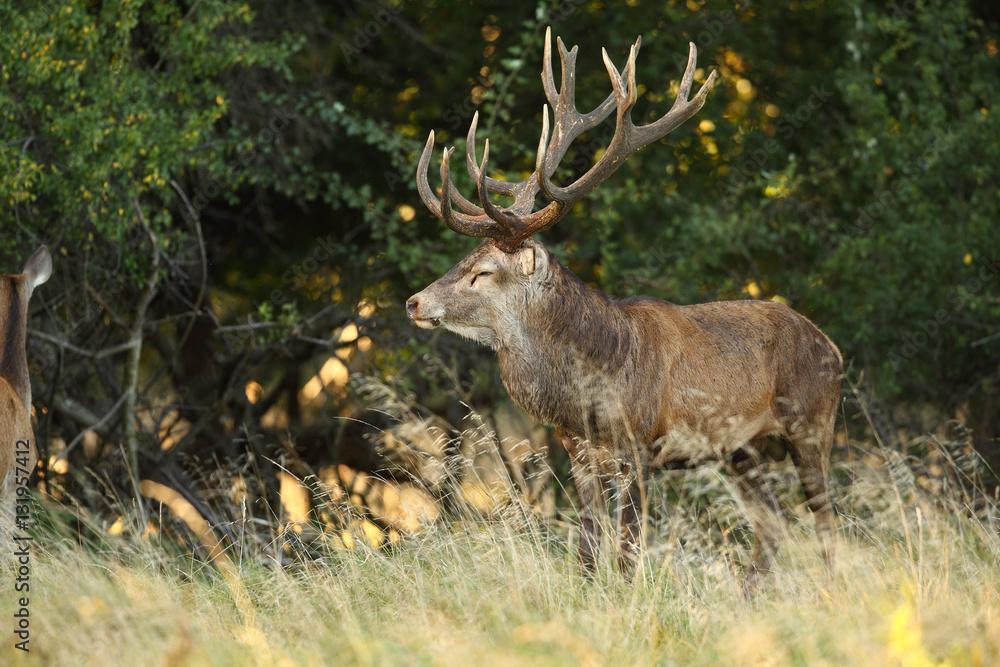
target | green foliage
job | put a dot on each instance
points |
(921, 178)
(107, 103)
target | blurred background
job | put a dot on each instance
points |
(228, 192)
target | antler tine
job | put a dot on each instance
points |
(427, 194)
(568, 122)
(423, 185)
(623, 84)
(543, 141)
(628, 138)
(469, 225)
(625, 96)
(464, 204)
(683, 108)
(492, 184)
(548, 82)
(685, 88)
(506, 221)
(517, 221)
(566, 96)
(447, 214)
(508, 228)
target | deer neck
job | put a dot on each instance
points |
(13, 359)
(566, 337)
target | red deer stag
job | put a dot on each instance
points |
(18, 452)
(639, 383)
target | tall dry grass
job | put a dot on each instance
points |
(917, 583)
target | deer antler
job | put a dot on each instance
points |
(510, 226)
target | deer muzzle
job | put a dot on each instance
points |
(425, 319)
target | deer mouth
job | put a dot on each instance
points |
(428, 323)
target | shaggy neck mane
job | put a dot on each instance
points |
(568, 319)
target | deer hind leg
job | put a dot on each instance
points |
(763, 510)
(590, 489)
(632, 503)
(811, 455)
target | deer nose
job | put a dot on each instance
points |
(411, 306)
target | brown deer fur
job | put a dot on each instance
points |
(17, 461)
(640, 383)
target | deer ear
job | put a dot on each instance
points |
(533, 259)
(526, 258)
(38, 268)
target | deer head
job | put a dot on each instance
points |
(486, 288)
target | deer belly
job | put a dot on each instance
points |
(697, 441)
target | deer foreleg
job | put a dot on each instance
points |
(633, 503)
(590, 491)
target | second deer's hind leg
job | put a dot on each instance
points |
(763, 510)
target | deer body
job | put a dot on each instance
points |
(656, 372)
(638, 383)
(18, 451)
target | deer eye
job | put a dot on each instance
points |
(478, 276)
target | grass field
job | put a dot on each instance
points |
(917, 584)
